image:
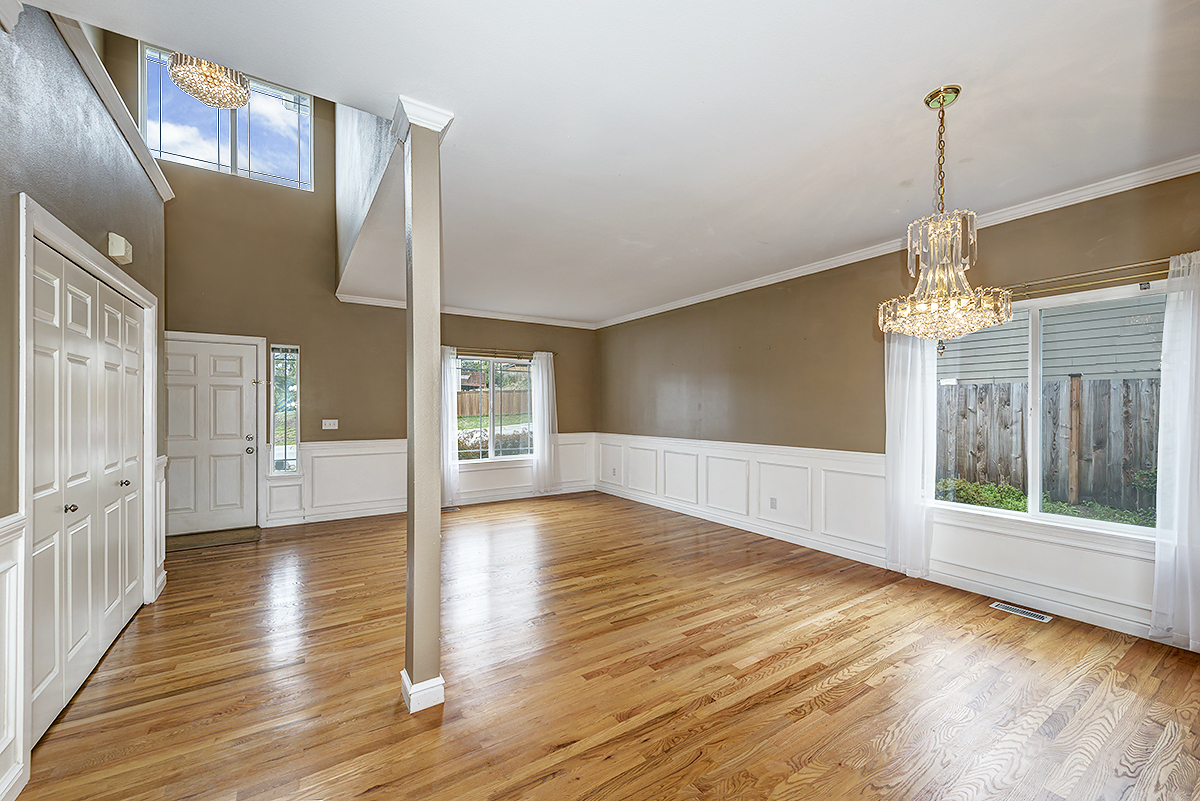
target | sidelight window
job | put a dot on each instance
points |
(285, 408)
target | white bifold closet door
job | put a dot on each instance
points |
(86, 376)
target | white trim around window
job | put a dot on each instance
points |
(1099, 533)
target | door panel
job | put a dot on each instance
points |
(133, 488)
(47, 417)
(87, 425)
(211, 424)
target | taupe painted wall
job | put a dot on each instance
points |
(255, 259)
(800, 363)
(60, 145)
(251, 258)
(574, 359)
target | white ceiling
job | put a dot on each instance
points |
(611, 157)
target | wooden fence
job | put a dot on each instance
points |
(472, 404)
(982, 428)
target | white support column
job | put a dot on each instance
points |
(421, 681)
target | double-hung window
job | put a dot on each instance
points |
(1056, 412)
(268, 140)
(495, 410)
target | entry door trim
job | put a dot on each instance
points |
(37, 222)
(262, 463)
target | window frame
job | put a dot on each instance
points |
(271, 350)
(233, 137)
(1033, 432)
(491, 458)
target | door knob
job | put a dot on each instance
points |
(71, 508)
(249, 438)
(125, 483)
(249, 450)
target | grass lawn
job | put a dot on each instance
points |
(480, 421)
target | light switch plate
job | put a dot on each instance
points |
(329, 423)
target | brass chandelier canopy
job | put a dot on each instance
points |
(211, 84)
(941, 248)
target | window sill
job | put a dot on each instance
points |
(509, 461)
(1110, 538)
(274, 476)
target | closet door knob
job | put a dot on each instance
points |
(125, 483)
(71, 508)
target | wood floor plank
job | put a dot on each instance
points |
(595, 648)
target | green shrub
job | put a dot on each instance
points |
(1006, 496)
(997, 496)
(1094, 511)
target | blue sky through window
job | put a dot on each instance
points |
(273, 133)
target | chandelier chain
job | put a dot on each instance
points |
(941, 173)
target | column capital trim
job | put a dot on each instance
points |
(417, 113)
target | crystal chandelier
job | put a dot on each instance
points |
(941, 247)
(211, 84)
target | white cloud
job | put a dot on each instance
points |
(275, 114)
(187, 140)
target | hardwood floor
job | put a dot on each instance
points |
(595, 648)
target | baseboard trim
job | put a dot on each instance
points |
(874, 557)
(423, 694)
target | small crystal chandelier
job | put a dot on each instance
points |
(941, 247)
(211, 84)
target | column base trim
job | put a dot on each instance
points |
(423, 694)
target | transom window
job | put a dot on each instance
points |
(1084, 442)
(268, 140)
(495, 410)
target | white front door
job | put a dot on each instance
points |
(212, 436)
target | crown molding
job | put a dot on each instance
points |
(519, 318)
(10, 10)
(1109, 186)
(96, 72)
(424, 115)
(1071, 197)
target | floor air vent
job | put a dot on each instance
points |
(1016, 610)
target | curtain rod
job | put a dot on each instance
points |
(1027, 288)
(497, 354)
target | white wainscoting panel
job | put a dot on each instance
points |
(681, 476)
(1097, 577)
(843, 516)
(739, 481)
(506, 479)
(14, 750)
(728, 484)
(643, 469)
(612, 464)
(785, 494)
(353, 478)
(357, 478)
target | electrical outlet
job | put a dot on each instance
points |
(774, 504)
(614, 475)
(329, 423)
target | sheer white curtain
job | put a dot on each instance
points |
(1175, 611)
(449, 426)
(546, 477)
(910, 385)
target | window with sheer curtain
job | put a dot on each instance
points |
(1084, 442)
